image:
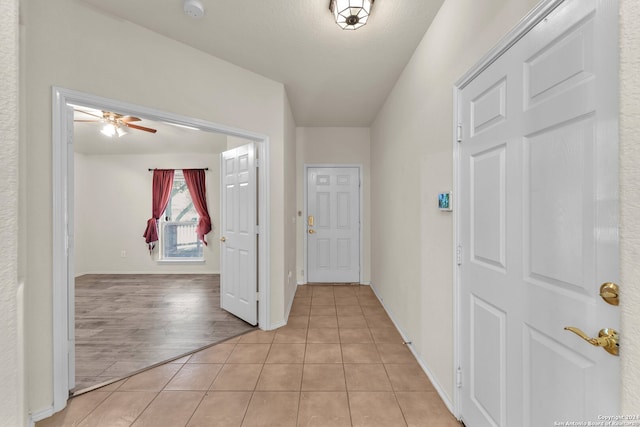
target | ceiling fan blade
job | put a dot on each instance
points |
(128, 119)
(88, 113)
(140, 127)
(88, 121)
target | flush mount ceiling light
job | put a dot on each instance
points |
(350, 14)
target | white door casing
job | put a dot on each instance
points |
(62, 220)
(71, 278)
(238, 252)
(333, 241)
(538, 224)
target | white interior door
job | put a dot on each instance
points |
(238, 216)
(333, 224)
(538, 224)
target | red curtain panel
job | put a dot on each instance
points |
(162, 184)
(195, 183)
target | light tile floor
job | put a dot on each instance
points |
(338, 362)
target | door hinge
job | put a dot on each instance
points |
(257, 229)
(257, 296)
(257, 163)
(459, 255)
(459, 377)
(459, 133)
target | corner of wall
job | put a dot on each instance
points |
(630, 201)
(12, 372)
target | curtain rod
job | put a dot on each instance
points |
(153, 169)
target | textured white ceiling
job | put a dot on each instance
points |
(332, 77)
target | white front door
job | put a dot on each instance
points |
(538, 224)
(238, 253)
(333, 224)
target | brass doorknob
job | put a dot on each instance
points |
(607, 339)
(223, 239)
(311, 231)
(610, 293)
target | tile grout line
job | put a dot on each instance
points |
(94, 408)
(145, 408)
(206, 392)
(156, 396)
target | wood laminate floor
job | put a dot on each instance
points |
(127, 322)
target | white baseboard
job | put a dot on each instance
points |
(276, 325)
(439, 389)
(287, 310)
(143, 272)
(40, 415)
(361, 283)
(286, 315)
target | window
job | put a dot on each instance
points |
(178, 237)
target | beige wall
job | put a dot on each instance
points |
(411, 162)
(389, 128)
(290, 207)
(113, 203)
(11, 372)
(340, 146)
(417, 119)
(630, 202)
(64, 46)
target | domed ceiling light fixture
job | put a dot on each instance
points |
(351, 14)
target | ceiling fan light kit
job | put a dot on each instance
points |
(108, 130)
(193, 8)
(350, 14)
(121, 131)
(115, 124)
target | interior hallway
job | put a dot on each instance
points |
(338, 362)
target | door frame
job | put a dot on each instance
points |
(62, 177)
(306, 215)
(535, 16)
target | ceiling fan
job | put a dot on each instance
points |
(115, 124)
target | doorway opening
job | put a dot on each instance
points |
(64, 220)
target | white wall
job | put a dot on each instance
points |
(11, 370)
(113, 204)
(630, 202)
(63, 46)
(411, 162)
(341, 146)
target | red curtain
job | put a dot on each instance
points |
(162, 184)
(195, 183)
